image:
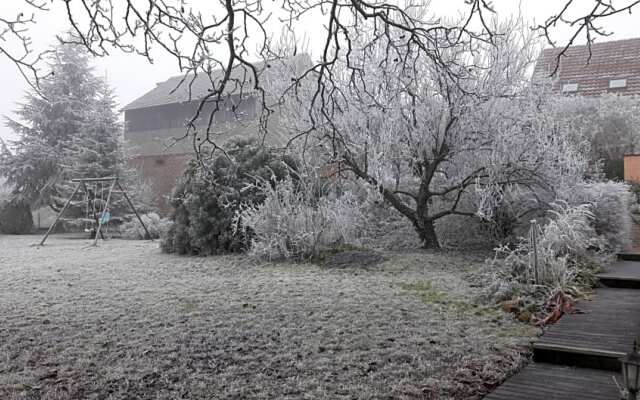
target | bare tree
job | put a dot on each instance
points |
(441, 142)
(583, 18)
(225, 40)
(16, 41)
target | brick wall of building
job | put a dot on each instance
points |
(632, 168)
(161, 172)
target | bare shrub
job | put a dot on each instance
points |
(296, 221)
(156, 225)
(610, 204)
(568, 252)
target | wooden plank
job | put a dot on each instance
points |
(579, 350)
(622, 274)
(106, 178)
(554, 382)
(629, 256)
(599, 335)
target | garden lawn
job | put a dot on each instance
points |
(124, 321)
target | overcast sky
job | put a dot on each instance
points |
(132, 76)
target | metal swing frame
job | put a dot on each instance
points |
(82, 183)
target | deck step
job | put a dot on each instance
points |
(621, 274)
(584, 357)
(601, 332)
(629, 256)
(622, 282)
(554, 382)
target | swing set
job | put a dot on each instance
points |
(97, 214)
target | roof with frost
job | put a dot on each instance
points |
(612, 67)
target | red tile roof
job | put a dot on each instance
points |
(618, 59)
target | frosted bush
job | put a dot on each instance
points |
(587, 223)
(610, 204)
(16, 217)
(293, 222)
(606, 207)
(211, 191)
(132, 229)
(567, 245)
(5, 192)
(569, 231)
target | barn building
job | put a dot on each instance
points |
(155, 120)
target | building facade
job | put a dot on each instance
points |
(155, 135)
(156, 123)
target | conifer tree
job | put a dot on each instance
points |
(68, 130)
(97, 152)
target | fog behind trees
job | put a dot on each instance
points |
(131, 75)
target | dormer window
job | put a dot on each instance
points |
(617, 83)
(569, 88)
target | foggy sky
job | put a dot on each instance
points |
(132, 75)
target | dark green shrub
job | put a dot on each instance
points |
(635, 189)
(206, 199)
(613, 169)
(16, 218)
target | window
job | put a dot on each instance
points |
(569, 87)
(617, 83)
(235, 110)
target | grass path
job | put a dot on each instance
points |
(124, 321)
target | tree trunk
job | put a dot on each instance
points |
(427, 233)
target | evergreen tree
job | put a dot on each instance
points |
(205, 200)
(69, 130)
(97, 152)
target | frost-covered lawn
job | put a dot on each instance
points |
(125, 321)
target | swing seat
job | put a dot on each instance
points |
(105, 218)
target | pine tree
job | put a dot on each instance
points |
(98, 151)
(69, 131)
(47, 123)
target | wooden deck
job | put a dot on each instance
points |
(556, 382)
(579, 356)
(629, 256)
(604, 328)
(622, 274)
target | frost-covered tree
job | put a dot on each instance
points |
(436, 144)
(229, 35)
(98, 151)
(46, 125)
(69, 129)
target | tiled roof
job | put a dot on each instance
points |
(618, 59)
(166, 92)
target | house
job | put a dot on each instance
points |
(606, 67)
(155, 123)
(603, 68)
